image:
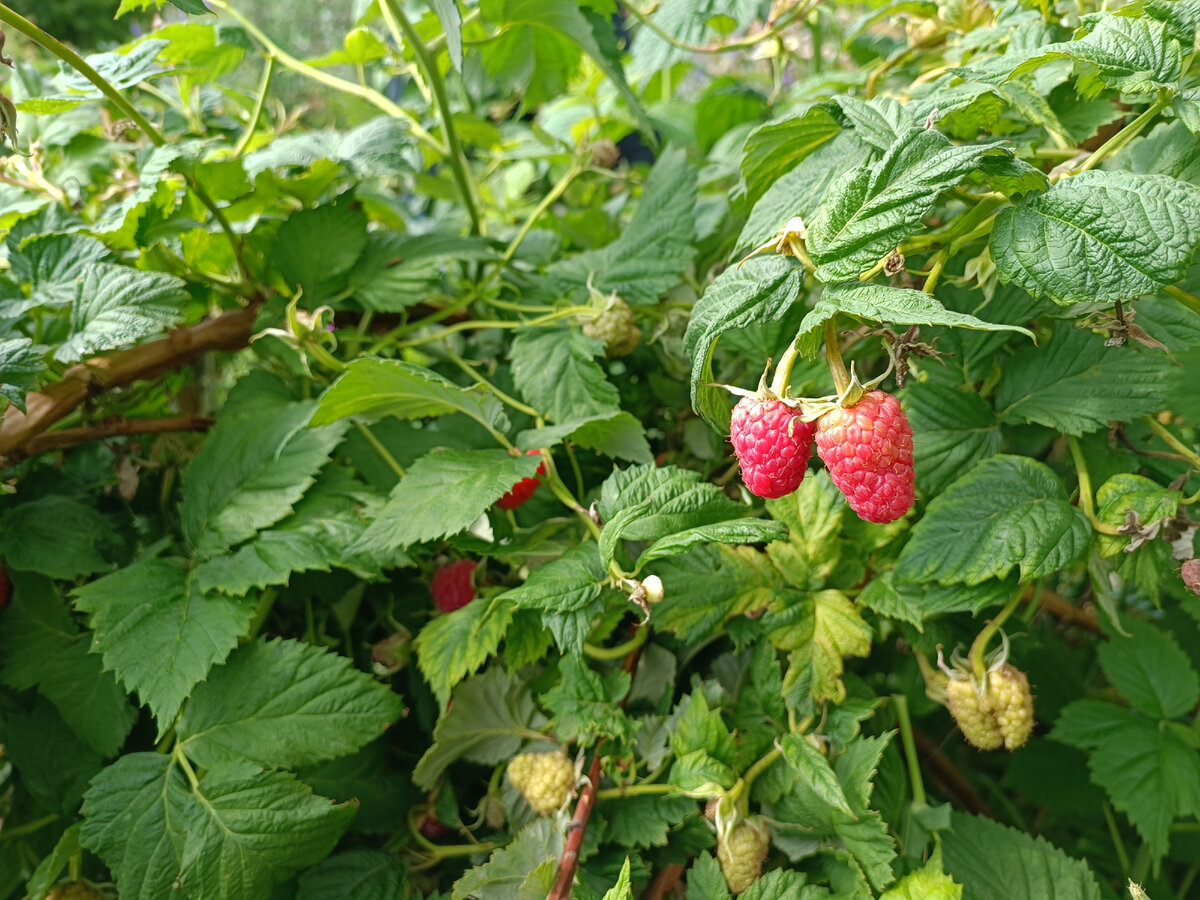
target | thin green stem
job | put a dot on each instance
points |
(577, 472)
(559, 188)
(760, 766)
(479, 379)
(935, 271)
(910, 749)
(621, 650)
(1087, 502)
(377, 446)
(740, 44)
(1115, 833)
(15, 831)
(266, 601)
(401, 26)
(479, 324)
(833, 355)
(264, 87)
(979, 645)
(1185, 883)
(1126, 134)
(634, 790)
(338, 84)
(1191, 301)
(181, 758)
(1175, 443)
(559, 490)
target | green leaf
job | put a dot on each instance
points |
(813, 515)
(21, 367)
(1007, 511)
(121, 70)
(762, 290)
(55, 536)
(374, 388)
(158, 633)
(734, 531)
(872, 208)
(812, 769)
(442, 494)
(454, 645)
(957, 427)
(782, 884)
(826, 628)
(355, 875)
(673, 499)
(48, 871)
(778, 147)
(653, 250)
(1131, 55)
(491, 716)
(256, 463)
(284, 703)
(584, 703)
(994, 862)
(52, 264)
(314, 249)
(568, 584)
(709, 585)
(1150, 770)
(248, 828)
(553, 369)
(383, 791)
(508, 867)
(619, 435)
(891, 596)
(117, 305)
(705, 880)
(926, 883)
(879, 122)
(379, 147)
(622, 890)
(88, 698)
(888, 305)
(1124, 492)
(643, 821)
(1099, 237)
(451, 19)
(133, 819)
(1150, 670)
(725, 104)
(397, 270)
(1075, 384)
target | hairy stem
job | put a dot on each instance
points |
(979, 645)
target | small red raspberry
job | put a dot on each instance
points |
(772, 445)
(523, 489)
(1190, 571)
(868, 449)
(452, 587)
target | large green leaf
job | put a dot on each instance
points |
(1150, 670)
(355, 875)
(21, 365)
(888, 305)
(375, 388)
(872, 208)
(315, 249)
(555, 372)
(284, 703)
(258, 461)
(1150, 769)
(1007, 511)
(248, 828)
(158, 633)
(709, 585)
(1076, 384)
(957, 428)
(820, 630)
(54, 535)
(653, 250)
(891, 596)
(442, 493)
(1099, 237)
(454, 645)
(516, 870)
(994, 862)
(778, 147)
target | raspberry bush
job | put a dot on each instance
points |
(602, 449)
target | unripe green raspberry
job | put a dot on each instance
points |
(76, 890)
(605, 154)
(972, 713)
(1011, 705)
(545, 780)
(742, 852)
(615, 326)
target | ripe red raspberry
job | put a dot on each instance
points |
(452, 587)
(868, 450)
(1190, 571)
(523, 489)
(772, 445)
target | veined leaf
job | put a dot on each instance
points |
(891, 596)
(673, 499)
(872, 208)
(553, 368)
(53, 535)
(820, 631)
(21, 365)
(709, 585)
(957, 428)
(284, 703)
(777, 147)
(1099, 237)
(1124, 492)
(315, 249)
(1150, 670)
(453, 646)
(158, 633)
(1007, 511)
(535, 848)
(355, 875)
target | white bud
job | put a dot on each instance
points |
(654, 588)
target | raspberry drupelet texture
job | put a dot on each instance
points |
(545, 780)
(868, 449)
(452, 587)
(772, 445)
(1001, 715)
(742, 853)
(523, 489)
(616, 327)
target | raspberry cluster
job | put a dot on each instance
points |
(867, 448)
(1001, 715)
(742, 851)
(545, 780)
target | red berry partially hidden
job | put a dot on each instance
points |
(523, 489)
(868, 449)
(1190, 571)
(452, 587)
(772, 445)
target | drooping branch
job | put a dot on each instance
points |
(115, 427)
(229, 331)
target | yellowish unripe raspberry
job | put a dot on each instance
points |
(615, 326)
(1011, 704)
(742, 852)
(545, 780)
(76, 890)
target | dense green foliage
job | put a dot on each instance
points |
(264, 380)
